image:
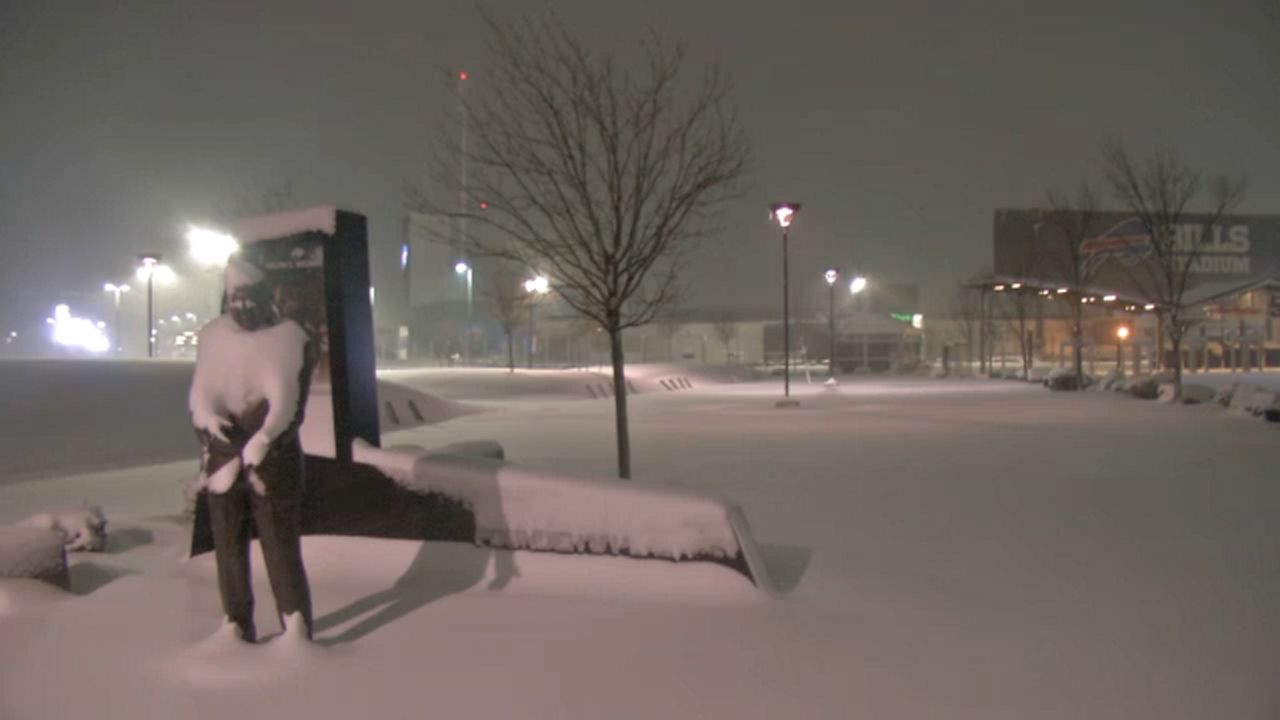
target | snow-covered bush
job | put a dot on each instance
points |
(1254, 400)
(1191, 394)
(81, 528)
(1066, 379)
(33, 552)
(1224, 395)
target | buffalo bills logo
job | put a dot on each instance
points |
(1127, 241)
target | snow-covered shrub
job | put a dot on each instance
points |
(1224, 395)
(1254, 400)
(81, 528)
(1191, 394)
(33, 552)
(1065, 379)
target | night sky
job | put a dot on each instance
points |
(899, 125)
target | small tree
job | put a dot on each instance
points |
(509, 305)
(1160, 191)
(1073, 221)
(726, 329)
(602, 175)
(966, 310)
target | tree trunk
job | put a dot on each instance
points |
(620, 403)
(1077, 343)
(1175, 337)
(511, 352)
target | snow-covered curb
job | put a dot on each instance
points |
(524, 509)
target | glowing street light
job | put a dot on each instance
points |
(209, 247)
(536, 287)
(1122, 334)
(463, 268)
(150, 270)
(856, 286)
(116, 291)
(831, 276)
(784, 213)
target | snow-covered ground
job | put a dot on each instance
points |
(944, 549)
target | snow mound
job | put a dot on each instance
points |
(33, 552)
(1253, 400)
(1192, 394)
(401, 407)
(523, 509)
(81, 528)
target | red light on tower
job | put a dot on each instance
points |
(463, 75)
(484, 205)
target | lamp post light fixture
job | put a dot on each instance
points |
(536, 287)
(211, 248)
(116, 291)
(784, 213)
(856, 286)
(831, 276)
(1122, 334)
(149, 270)
(463, 268)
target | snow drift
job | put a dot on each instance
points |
(521, 509)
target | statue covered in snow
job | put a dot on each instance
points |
(247, 401)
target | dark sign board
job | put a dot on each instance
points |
(1238, 248)
(317, 262)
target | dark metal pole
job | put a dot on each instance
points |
(786, 321)
(831, 320)
(530, 359)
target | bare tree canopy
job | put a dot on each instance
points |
(1074, 220)
(1162, 191)
(509, 304)
(596, 174)
(597, 171)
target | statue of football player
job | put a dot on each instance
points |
(253, 370)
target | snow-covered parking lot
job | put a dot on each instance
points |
(944, 549)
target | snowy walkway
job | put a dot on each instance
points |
(948, 550)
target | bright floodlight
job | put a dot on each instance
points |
(211, 248)
(1149, 306)
(73, 332)
(784, 213)
(1122, 332)
(150, 268)
(539, 285)
(113, 288)
(1108, 298)
(832, 276)
(461, 268)
(858, 284)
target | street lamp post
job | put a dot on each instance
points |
(149, 268)
(856, 286)
(116, 291)
(536, 287)
(463, 268)
(1122, 334)
(831, 276)
(783, 214)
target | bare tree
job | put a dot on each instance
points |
(509, 305)
(966, 310)
(1160, 190)
(1072, 222)
(725, 327)
(600, 174)
(1018, 307)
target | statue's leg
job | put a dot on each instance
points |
(279, 519)
(229, 520)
